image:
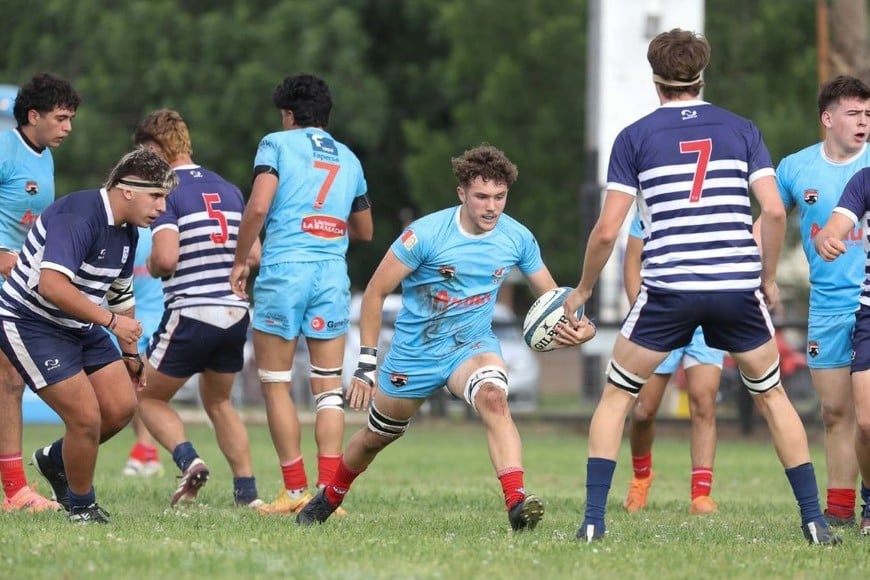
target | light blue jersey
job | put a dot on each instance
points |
(813, 183)
(319, 182)
(26, 187)
(147, 290)
(448, 299)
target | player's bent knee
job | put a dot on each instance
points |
(767, 381)
(386, 426)
(491, 374)
(623, 379)
(275, 376)
(326, 400)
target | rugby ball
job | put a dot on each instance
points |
(545, 313)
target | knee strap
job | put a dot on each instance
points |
(624, 379)
(329, 400)
(275, 376)
(770, 379)
(322, 373)
(386, 426)
(493, 374)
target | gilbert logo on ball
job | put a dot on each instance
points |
(539, 325)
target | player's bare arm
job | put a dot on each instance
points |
(360, 226)
(60, 291)
(599, 247)
(262, 194)
(829, 241)
(164, 253)
(772, 233)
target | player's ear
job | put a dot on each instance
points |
(461, 193)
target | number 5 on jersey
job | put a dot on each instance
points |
(211, 200)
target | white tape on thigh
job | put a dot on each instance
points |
(329, 400)
(624, 379)
(492, 374)
(767, 381)
(275, 376)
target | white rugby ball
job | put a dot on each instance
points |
(545, 313)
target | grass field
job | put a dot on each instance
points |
(430, 507)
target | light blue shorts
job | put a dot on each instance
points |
(417, 375)
(829, 340)
(308, 298)
(695, 353)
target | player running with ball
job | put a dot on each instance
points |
(451, 265)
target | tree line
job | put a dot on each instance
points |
(415, 82)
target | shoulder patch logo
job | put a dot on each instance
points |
(409, 239)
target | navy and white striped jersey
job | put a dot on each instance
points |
(77, 236)
(692, 164)
(855, 204)
(206, 211)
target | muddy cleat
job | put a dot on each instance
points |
(703, 504)
(193, 478)
(92, 514)
(818, 532)
(526, 514)
(316, 511)
(284, 504)
(55, 478)
(27, 500)
(864, 526)
(637, 492)
(590, 533)
(838, 522)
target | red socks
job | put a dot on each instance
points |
(512, 485)
(144, 453)
(340, 484)
(326, 468)
(702, 481)
(841, 502)
(12, 473)
(294, 475)
(642, 465)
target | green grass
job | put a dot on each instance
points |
(430, 507)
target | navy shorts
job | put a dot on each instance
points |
(45, 354)
(665, 321)
(861, 341)
(191, 340)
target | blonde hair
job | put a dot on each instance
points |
(168, 130)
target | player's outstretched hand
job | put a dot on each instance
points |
(567, 335)
(239, 280)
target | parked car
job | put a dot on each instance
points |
(522, 365)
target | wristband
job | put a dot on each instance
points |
(367, 365)
(140, 366)
(113, 322)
